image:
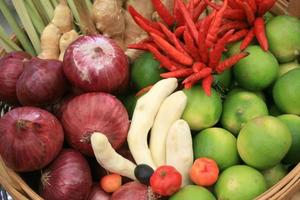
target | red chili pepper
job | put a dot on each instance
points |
(236, 25)
(233, 4)
(199, 10)
(140, 46)
(202, 48)
(249, 13)
(190, 45)
(229, 62)
(238, 35)
(166, 180)
(181, 73)
(198, 76)
(265, 6)
(189, 85)
(198, 66)
(260, 33)
(178, 15)
(215, 54)
(143, 91)
(253, 5)
(172, 38)
(234, 14)
(191, 7)
(206, 84)
(147, 27)
(179, 31)
(134, 14)
(164, 61)
(188, 19)
(172, 51)
(163, 12)
(247, 40)
(212, 34)
(214, 6)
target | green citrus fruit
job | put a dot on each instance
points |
(234, 49)
(202, 111)
(286, 67)
(224, 78)
(239, 108)
(193, 192)
(263, 142)
(293, 123)
(256, 71)
(283, 33)
(240, 182)
(286, 93)
(145, 71)
(129, 103)
(274, 174)
(217, 144)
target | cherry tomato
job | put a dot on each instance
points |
(111, 182)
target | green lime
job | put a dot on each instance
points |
(293, 123)
(224, 79)
(263, 142)
(256, 71)
(202, 111)
(268, 17)
(240, 182)
(286, 67)
(217, 144)
(129, 103)
(234, 49)
(145, 71)
(274, 174)
(283, 33)
(193, 192)
(286, 93)
(239, 108)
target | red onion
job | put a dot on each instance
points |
(68, 177)
(11, 68)
(98, 194)
(134, 191)
(30, 138)
(96, 63)
(42, 82)
(94, 112)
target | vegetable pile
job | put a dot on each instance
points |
(193, 99)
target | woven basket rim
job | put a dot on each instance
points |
(283, 190)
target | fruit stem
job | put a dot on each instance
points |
(24, 124)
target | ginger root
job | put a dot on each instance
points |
(65, 40)
(50, 42)
(108, 15)
(62, 22)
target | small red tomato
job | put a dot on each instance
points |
(111, 182)
(204, 172)
(166, 180)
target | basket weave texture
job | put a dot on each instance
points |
(283, 190)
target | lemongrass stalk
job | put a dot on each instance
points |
(41, 10)
(48, 8)
(74, 11)
(22, 37)
(26, 21)
(89, 4)
(86, 22)
(6, 48)
(35, 17)
(8, 44)
(54, 3)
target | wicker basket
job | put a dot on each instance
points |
(283, 190)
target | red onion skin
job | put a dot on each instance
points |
(41, 83)
(98, 194)
(94, 112)
(131, 191)
(67, 177)
(95, 63)
(30, 138)
(11, 68)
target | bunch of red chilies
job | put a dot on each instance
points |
(191, 48)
